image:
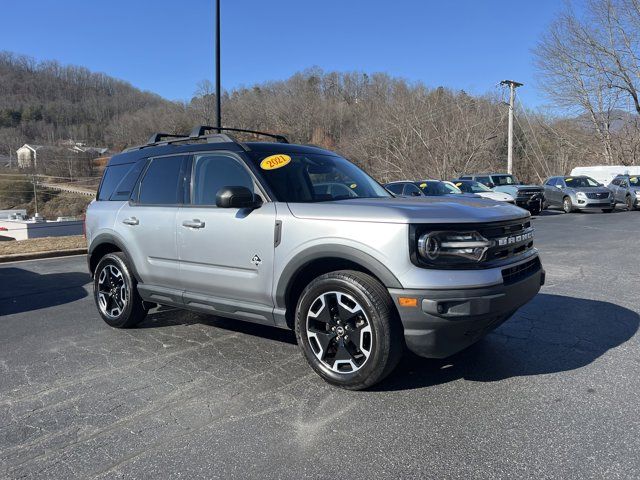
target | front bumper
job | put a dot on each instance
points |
(594, 204)
(447, 321)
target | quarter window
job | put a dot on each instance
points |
(162, 182)
(212, 172)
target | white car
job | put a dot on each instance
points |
(477, 188)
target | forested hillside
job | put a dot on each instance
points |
(43, 102)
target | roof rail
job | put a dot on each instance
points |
(156, 137)
(200, 130)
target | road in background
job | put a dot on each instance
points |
(552, 393)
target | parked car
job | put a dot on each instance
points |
(530, 197)
(626, 189)
(207, 223)
(480, 189)
(577, 193)
(423, 188)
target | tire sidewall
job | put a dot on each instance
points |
(567, 205)
(379, 331)
(123, 319)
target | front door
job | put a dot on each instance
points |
(226, 254)
(147, 224)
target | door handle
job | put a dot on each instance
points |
(131, 221)
(195, 223)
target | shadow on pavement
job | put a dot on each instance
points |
(551, 334)
(23, 290)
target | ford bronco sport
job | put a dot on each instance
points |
(297, 237)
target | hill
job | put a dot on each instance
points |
(44, 102)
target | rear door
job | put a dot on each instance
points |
(226, 254)
(147, 223)
(549, 191)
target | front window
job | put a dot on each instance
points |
(309, 177)
(580, 182)
(435, 188)
(504, 180)
(472, 187)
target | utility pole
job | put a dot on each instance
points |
(35, 194)
(512, 98)
(218, 112)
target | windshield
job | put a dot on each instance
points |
(578, 182)
(436, 188)
(472, 187)
(634, 181)
(309, 177)
(504, 180)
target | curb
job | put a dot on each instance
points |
(16, 257)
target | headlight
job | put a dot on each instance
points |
(637, 193)
(581, 195)
(450, 248)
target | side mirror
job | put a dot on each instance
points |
(415, 194)
(491, 185)
(237, 197)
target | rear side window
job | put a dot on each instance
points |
(396, 188)
(111, 178)
(163, 181)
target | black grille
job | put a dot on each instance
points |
(508, 239)
(594, 195)
(528, 192)
(515, 274)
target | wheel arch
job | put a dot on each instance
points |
(103, 244)
(319, 260)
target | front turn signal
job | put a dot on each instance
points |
(407, 302)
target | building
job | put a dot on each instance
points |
(29, 154)
(19, 229)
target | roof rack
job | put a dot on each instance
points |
(200, 130)
(157, 137)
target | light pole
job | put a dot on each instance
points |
(512, 98)
(218, 112)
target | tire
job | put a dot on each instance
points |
(115, 292)
(629, 203)
(360, 304)
(607, 210)
(567, 205)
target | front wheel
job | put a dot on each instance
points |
(567, 205)
(630, 203)
(348, 329)
(115, 292)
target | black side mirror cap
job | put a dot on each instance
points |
(237, 197)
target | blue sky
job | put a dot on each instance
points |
(167, 46)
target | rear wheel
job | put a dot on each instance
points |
(348, 330)
(115, 292)
(567, 205)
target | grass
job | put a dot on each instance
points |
(42, 245)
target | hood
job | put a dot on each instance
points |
(410, 210)
(499, 196)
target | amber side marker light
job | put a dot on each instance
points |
(408, 302)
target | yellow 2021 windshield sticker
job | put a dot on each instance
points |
(275, 161)
(422, 185)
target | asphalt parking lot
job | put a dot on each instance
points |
(553, 393)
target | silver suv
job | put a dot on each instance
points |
(626, 189)
(577, 193)
(265, 232)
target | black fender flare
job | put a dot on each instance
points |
(109, 238)
(375, 266)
